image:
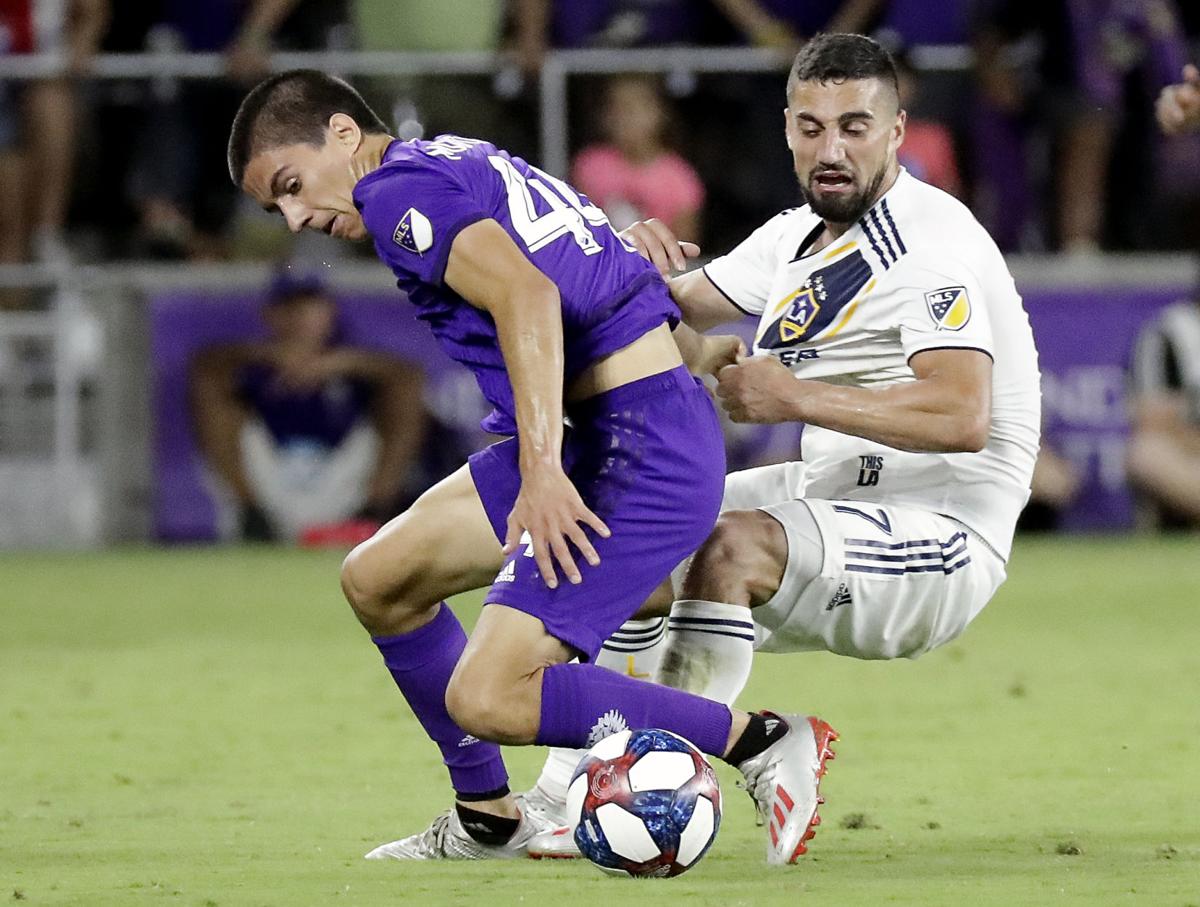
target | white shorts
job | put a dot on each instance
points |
(896, 581)
(299, 488)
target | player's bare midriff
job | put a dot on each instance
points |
(651, 354)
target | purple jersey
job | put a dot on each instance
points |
(323, 415)
(424, 193)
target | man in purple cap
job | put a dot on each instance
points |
(301, 428)
(523, 281)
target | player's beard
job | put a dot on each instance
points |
(845, 209)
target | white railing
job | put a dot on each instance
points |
(557, 69)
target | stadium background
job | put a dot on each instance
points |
(1009, 768)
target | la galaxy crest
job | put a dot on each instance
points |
(414, 232)
(949, 308)
(802, 310)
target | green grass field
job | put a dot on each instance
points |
(210, 727)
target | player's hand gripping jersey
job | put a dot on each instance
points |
(425, 193)
(916, 273)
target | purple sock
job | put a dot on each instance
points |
(421, 663)
(583, 703)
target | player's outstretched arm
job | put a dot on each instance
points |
(488, 270)
(1178, 106)
(947, 409)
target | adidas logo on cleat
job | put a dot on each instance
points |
(841, 597)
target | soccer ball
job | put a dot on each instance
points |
(647, 804)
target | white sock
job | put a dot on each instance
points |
(635, 649)
(709, 649)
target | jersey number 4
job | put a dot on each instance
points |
(568, 215)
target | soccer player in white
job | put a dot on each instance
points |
(890, 326)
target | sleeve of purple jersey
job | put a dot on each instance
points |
(414, 214)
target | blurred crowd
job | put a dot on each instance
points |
(1039, 115)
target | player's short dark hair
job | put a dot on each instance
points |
(293, 107)
(840, 57)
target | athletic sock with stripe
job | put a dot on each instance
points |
(709, 649)
(635, 649)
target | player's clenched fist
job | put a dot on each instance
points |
(1178, 106)
(760, 389)
(714, 352)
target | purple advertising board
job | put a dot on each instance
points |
(183, 323)
(1084, 338)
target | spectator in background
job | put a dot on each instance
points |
(928, 150)
(1058, 71)
(38, 122)
(633, 175)
(429, 105)
(1163, 459)
(907, 23)
(787, 23)
(1164, 449)
(744, 188)
(301, 429)
(1055, 486)
(179, 182)
(1178, 107)
(540, 24)
(1177, 110)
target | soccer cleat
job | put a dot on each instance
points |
(446, 839)
(785, 779)
(557, 840)
(555, 844)
(545, 809)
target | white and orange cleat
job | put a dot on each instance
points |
(785, 781)
(555, 844)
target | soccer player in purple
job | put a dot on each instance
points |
(523, 281)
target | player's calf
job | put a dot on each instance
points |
(495, 692)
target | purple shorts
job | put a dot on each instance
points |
(648, 458)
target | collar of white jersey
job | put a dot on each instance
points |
(878, 225)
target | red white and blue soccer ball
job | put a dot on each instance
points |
(647, 802)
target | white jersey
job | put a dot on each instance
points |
(917, 272)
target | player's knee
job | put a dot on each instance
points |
(490, 710)
(357, 586)
(741, 562)
(374, 585)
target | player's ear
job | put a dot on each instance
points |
(344, 131)
(898, 129)
(787, 126)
